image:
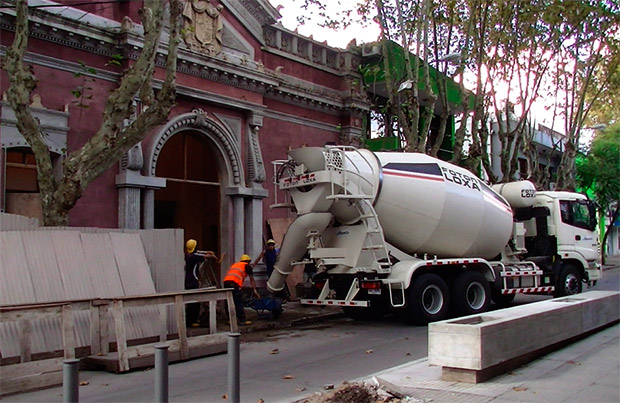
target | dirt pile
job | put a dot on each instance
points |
(362, 392)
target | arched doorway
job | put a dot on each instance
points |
(191, 198)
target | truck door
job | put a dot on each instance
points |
(578, 228)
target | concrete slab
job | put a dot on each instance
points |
(477, 347)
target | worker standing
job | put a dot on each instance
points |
(269, 256)
(234, 279)
(193, 261)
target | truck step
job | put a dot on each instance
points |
(520, 273)
(528, 290)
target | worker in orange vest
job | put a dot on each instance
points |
(234, 279)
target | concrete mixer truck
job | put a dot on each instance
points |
(427, 239)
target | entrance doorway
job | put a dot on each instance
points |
(191, 198)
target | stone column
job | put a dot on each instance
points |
(148, 212)
(254, 225)
(247, 219)
(238, 227)
(129, 207)
(131, 184)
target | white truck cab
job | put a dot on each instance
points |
(573, 222)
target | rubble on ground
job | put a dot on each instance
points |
(362, 392)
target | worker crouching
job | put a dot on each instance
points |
(234, 279)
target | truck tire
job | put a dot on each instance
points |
(471, 294)
(569, 281)
(428, 299)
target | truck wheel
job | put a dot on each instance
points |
(569, 281)
(471, 294)
(428, 299)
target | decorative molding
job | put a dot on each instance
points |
(232, 124)
(53, 123)
(202, 26)
(301, 121)
(256, 166)
(251, 17)
(134, 159)
(198, 120)
(233, 41)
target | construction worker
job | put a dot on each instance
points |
(193, 260)
(234, 279)
(269, 255)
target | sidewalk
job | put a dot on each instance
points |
(585, 371)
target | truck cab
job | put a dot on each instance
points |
(572, 221)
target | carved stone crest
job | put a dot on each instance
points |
(202, 26)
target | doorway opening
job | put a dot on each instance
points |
(191, 198)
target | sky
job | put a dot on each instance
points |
(292, 8)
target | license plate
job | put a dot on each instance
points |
(374, 292)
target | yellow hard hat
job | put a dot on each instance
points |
(245, 258)
(271, 241)
(190, 245)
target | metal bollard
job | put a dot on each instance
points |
(161, 373)
(70, 380)
(233, 367)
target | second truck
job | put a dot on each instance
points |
(409, 233)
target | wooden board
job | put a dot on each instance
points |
(132, 264)
(101, 265)
(41, 259)
(16, 286)
(136, 278)
(72, 264)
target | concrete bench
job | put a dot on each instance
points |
(478, 347)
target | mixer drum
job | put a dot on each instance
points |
(426, 205)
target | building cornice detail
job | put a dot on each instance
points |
(301, 121)
(107, 38)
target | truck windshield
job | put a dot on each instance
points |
(578, 213)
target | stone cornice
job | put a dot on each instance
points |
(302, 121)
(105, 38)
(291, 45)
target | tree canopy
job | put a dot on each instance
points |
(515, 55)
(599, 172)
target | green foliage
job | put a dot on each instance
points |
(115, 60)
(600, 170)
(83, 92)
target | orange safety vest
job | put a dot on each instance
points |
(236, 273)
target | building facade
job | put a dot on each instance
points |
(248, 90)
